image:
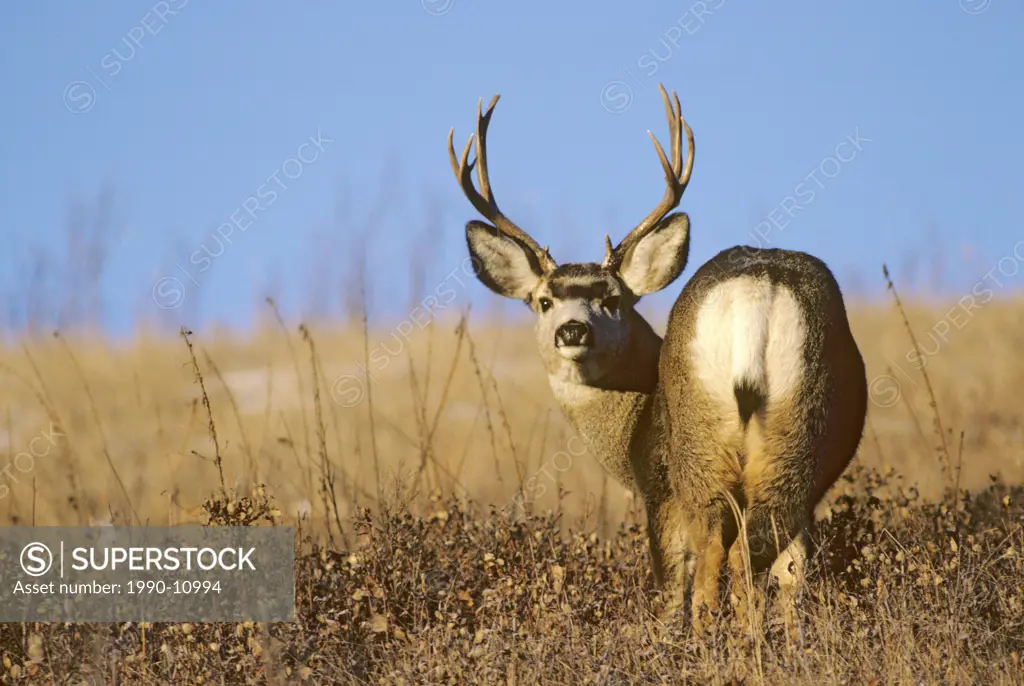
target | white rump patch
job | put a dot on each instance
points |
(749, 331)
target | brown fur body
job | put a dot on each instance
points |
(662, 437)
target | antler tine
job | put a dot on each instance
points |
(684, 179)
(483, 200)
(673, 115)
(677, 175)
(482, 122)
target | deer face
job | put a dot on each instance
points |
(583, 317)
(584, 310)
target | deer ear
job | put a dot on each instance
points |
(659, 257)
(503, 263)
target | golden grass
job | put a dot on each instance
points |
(468, 413)
(455, 416)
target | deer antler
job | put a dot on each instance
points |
(483, 200)
(677, 176)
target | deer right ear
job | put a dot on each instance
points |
(502, 262)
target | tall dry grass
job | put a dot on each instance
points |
(458, 406)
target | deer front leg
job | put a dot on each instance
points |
(672, 559)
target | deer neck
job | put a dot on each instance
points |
(611, 414)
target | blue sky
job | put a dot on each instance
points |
(182, 111)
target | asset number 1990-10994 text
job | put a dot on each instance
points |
(175, 587)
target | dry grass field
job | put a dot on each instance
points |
(452, 532)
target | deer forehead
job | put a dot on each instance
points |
(580, 282)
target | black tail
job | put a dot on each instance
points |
(748, 400)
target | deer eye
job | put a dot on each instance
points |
(611, 303)
(545, 304)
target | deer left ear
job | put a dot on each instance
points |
(659, 257)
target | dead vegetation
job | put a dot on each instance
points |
(903, 591)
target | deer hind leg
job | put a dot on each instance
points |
(775, 552)
(709, 543)
(687, 552)
(789, 571)
(745, 595)
(774, 548)
(780, 452)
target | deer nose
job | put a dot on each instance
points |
(573, 333)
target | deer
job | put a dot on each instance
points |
(732, 427)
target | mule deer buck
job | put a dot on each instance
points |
(740, 419)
